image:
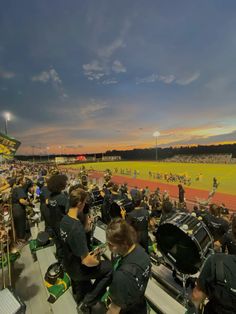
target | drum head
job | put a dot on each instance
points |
(179, 249)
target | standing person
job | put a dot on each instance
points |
(147, 192)
(133, 269)
(217, 281)
(181, 193)
(45, 214)
(229, 241)
(134, 193)
(215, 184)
(19, 203)
(82, 265)
(57, 204)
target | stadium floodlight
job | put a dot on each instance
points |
(7, 118)
(156, 134)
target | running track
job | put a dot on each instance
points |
(191, 194)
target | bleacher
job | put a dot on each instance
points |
(203, 158)
(46, 257)
(157, 297)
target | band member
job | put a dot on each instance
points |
(167, 211)
(106, 194)
(217, 281)
(57, 204)
(228, 241)
(139, 219)
(181, 193)
(82, 265)
(215, 184)
(45, 214)
(133, 269)
(217, 226)
(19, 203)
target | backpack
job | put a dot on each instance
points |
(221, 293)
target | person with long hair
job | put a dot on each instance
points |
(132, 271)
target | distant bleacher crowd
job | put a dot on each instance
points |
(206, 158)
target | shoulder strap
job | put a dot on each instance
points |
(218, 264)
(220, 272)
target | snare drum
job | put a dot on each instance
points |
(185, 241)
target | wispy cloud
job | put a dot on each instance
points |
(94, 70)
(167, 79)
(110, 81)
(6, 74)
(92, 109)
(118, 67)
(46, 76)
(109, 50)
(53, 77)
(103, 66)
(188, 79)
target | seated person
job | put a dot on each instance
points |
(132, 273)
(82, 265)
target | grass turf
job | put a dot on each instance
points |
(225, 173)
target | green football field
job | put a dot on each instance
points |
(225, 173)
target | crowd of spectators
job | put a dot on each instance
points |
(204, 158)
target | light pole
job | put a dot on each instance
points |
(156, 135)
(60, 147)
(48, 152)
(7, 117)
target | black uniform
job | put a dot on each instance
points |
(217, 226)
(57, 205)
(130, 281)
(229, 242)
(139, 218)
(218, 281)
(106, 206)
(44, 195)
(19, 211)
(75, 246)
(166, 216)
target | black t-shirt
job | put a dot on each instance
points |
(222, 296)
(128, 287)
(229, 242)
(74, 244)
(166, 216)
(44, 194)
(17, 194)
(115, 209)
(57, 204)
(217, 226)
(139, 218)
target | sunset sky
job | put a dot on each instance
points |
(89, 76)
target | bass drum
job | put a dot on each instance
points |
(185, 241)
